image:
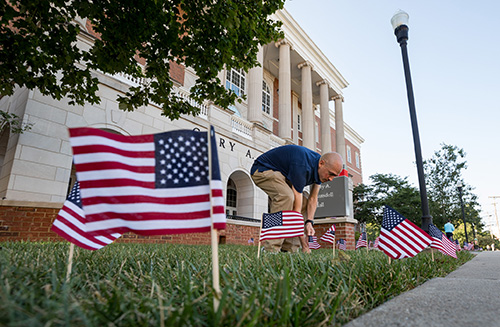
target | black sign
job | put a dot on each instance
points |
(333, 198)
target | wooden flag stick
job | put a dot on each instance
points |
(70, 261)
(213, 232)
(260, 232)
(432, 254)
(334, 247)
(389, 259)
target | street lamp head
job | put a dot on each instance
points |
(399, 18)
(400, 25)
(460, 185)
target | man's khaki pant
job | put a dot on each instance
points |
(281, 196)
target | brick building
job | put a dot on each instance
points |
(294, 97)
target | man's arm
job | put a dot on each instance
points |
(297, 201)
(312, 204)
(297, 206)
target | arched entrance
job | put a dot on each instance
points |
(240, 195)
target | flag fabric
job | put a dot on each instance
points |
(342, 245)
(375, 245)
(70, 224)
(313, 242)
(361, 241)
(149, 184)
(441, 242)
(399, 237)
(370, 244)
(468, 246)
(282, 224)
(329, 235)
(457, 244)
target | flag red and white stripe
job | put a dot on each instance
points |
(400, 238)
(282, 224)
(441, 242)
(70, 224)
(361, 241)
(342, 245)
(329, 235)
(313, 242)
(148, 184)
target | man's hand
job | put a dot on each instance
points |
(310, 230)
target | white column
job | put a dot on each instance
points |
(255, 77)
(339, 127)
(295, 113)
(285, 89)
(308, 136)
(326, 137)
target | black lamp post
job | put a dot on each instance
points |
(400, 25)
(463, 211)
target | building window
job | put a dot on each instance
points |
(358, 165)
(316, 128)
(299, 121)
(349, 154)
(231, 196)
(235, 81)
(266, 98)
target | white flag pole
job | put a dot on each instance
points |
(70, 261)
(260, 232)
(213, 232)
(333, 246)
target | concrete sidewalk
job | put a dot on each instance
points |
(469, 296)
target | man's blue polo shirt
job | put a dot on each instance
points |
(297, 163)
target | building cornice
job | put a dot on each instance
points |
(309, 51)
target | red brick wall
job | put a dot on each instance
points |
(18, 223)
(342, 230)
(177, 72)
(26, 223)
(351, 166)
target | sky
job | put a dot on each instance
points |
(454, 54)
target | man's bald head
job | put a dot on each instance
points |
(330, 165)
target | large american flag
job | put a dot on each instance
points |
(361, 241)
(148, 184)
(282, 224)
(313, 242)
(70, 224)
(399, 237)
(342, 245)
(441, 242)
(329, 235)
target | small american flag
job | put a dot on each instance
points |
(441, 242)
(468, 246)
(70, 224)
(375, 245)
(399, 237)
(457, 244)
(329, 235)
(149, 184)
(282, 224)
(361, 241)
(342, 245)
(313, 242)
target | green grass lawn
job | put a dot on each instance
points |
(171, 285)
